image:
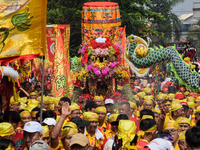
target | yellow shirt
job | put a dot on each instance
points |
(109, 134)
(177, 147)
(103, 127)
(57, 148)
(93, 141)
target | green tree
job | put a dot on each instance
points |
(134, 14)
(170, 24)
(194, 36)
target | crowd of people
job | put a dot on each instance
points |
(162, 120)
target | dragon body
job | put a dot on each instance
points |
(190, 78)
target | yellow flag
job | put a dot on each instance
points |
(22, 29)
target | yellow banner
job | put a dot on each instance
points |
(22, 29)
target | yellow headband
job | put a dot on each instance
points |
(33, 113)
(191, 105)
(6, 129)
(171, 124)
(141, 94)
(175, 106)
(67, 131)
(25, 113)
(146, 117)
(166, 102)
(45, 131)
(186, 93)
(183, 120)
(190, 98)
(147, 90)
(90, 116)
(74, 106)
(113, 117)
(13, 101)
(134, 106)
(156, 111)
(149, 101)
(126, 132)
(33, 93)
(171, 95)
(99, 97)
(70, 124)
(100, 109)
(136, 97)
(161, 96)
(182, 136)
(198, 99)
(151, 129)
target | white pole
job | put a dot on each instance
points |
(41, 103)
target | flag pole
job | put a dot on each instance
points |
(41, 103)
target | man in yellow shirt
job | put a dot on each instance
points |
(102, 118)
(110, 133)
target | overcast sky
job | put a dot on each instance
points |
(184, 8)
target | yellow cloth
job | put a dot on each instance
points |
(197, 109)
(146, 117)
(46, 100)
(190, 98)
(182, 136)
(186, 93)
(6, 129)
(166, 102)
(134, 106)
(171, 124)
(109, 134)
(13, 101)
(100, 109)
(126, 132)
(161, 96)
(148, 101)
(113, 117)
(191, 104)
(74, 106)
(33, 113)
(171, 95)
(67, 131)
(136, 97)
(93, 141)
(99, 97)
(156, 111)
(70, 124)
(183, 120)
(141, 94)
(33, 93)
(175, 106)
(25, 113)
(198, 99)
(151, 129)
(23, 99)
(147, 90)
(28, 19)
(177, 147)
(23, 106)
(90, 116)
(45, 131)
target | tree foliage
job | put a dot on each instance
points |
(134, 14)
(170, 24)
(194, 36)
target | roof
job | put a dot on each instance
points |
(185, 16)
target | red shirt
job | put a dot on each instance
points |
(136, 122)
(141, 143)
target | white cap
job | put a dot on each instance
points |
(109, 101)
(32, 127)
(158, 144)
(49, 121)
(39, 145)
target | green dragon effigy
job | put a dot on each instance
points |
(186, 76)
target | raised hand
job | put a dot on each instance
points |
(65, 109)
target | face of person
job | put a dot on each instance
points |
(197, 117)
(180, 112)
(114, 128)
(148, 106)
(25, 119)
(75, 113)
(30, 138)
(123, 109)
(15, 107)
(46, 106)
(98, 101)
(166, 108)
(109, 108)
(33, 96)
(157, 117)
(92, 127)
(60, 106)
(131, 111)
(174, 133)
(102, 116)
(78, 147)
(46, 139)
(66, 141)
(27, 86)
(141, 101)
(184, 126)
(197, 103)
(183, 145)
(159, 101)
